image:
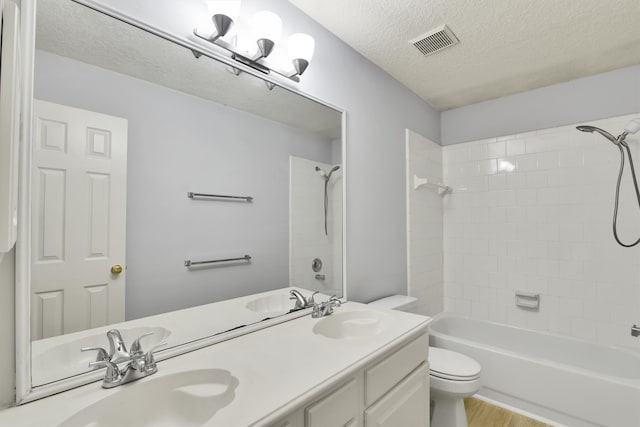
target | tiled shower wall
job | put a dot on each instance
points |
(424, 225)
(533, 212)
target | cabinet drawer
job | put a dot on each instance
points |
(340, 408)
(381, 378)
(406, 405)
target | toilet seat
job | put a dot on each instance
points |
(452, 366)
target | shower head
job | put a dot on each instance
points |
(604, 133)
(326, 175)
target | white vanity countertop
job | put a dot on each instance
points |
(221, 316)
(277, 368)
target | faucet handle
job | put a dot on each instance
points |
(136, 348)
(155, 347)
(334, 299)
(102, 353)
(117, 348)
(149, 360)
(112, 374)
(311, 301)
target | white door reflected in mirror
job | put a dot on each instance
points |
(78, 219)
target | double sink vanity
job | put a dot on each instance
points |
(357, 366)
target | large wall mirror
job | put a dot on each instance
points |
(168, 193)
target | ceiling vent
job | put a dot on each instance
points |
(435, 40)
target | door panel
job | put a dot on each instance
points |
(78, 219)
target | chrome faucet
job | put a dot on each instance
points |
(138, 363)
(325, 308)
(301, 301)
(635, 331)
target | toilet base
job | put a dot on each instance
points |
(448, 413)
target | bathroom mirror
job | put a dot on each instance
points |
(170, 193)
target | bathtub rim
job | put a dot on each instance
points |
(633, 382)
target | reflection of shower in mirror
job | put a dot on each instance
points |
(327, 177)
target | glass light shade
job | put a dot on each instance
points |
(301, 46)
(230, 8)
(267, 25)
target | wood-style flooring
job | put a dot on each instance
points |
(483, 414)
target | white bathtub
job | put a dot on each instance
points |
(566, 380)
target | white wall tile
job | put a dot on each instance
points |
(515, 147)
(542, 222)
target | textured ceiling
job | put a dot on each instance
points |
(71, 30)
(506, 46)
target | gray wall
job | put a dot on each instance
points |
(596, 97)
(179, 143)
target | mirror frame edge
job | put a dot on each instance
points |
(23, 243)
(25, 391)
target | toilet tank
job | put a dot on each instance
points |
(397, 302)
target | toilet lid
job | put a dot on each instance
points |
(452, 366)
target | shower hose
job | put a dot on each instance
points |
(635, 184)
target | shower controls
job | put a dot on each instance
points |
(635, 331)
(316, 265)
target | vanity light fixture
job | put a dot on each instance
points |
(223, 14)
(301, 48)
(265, 31)
(267, 28)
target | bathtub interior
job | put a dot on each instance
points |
(597, 358)
(584, 385)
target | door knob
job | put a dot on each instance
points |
(116, 269)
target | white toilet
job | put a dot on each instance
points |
(452, 376)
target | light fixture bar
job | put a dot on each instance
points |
(250, 63)
(253, 63)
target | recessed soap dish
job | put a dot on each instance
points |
(528, 300)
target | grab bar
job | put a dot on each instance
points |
(192, 195)
(189, 263)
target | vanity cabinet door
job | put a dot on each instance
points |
(405, 405)
(383, 376)
(338, 409)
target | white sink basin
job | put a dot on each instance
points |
(53, 360)
(188, 398)
(351, 324)
(271, 305)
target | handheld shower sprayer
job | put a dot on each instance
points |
(327, 177)
(604, 133)
(632, 127)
